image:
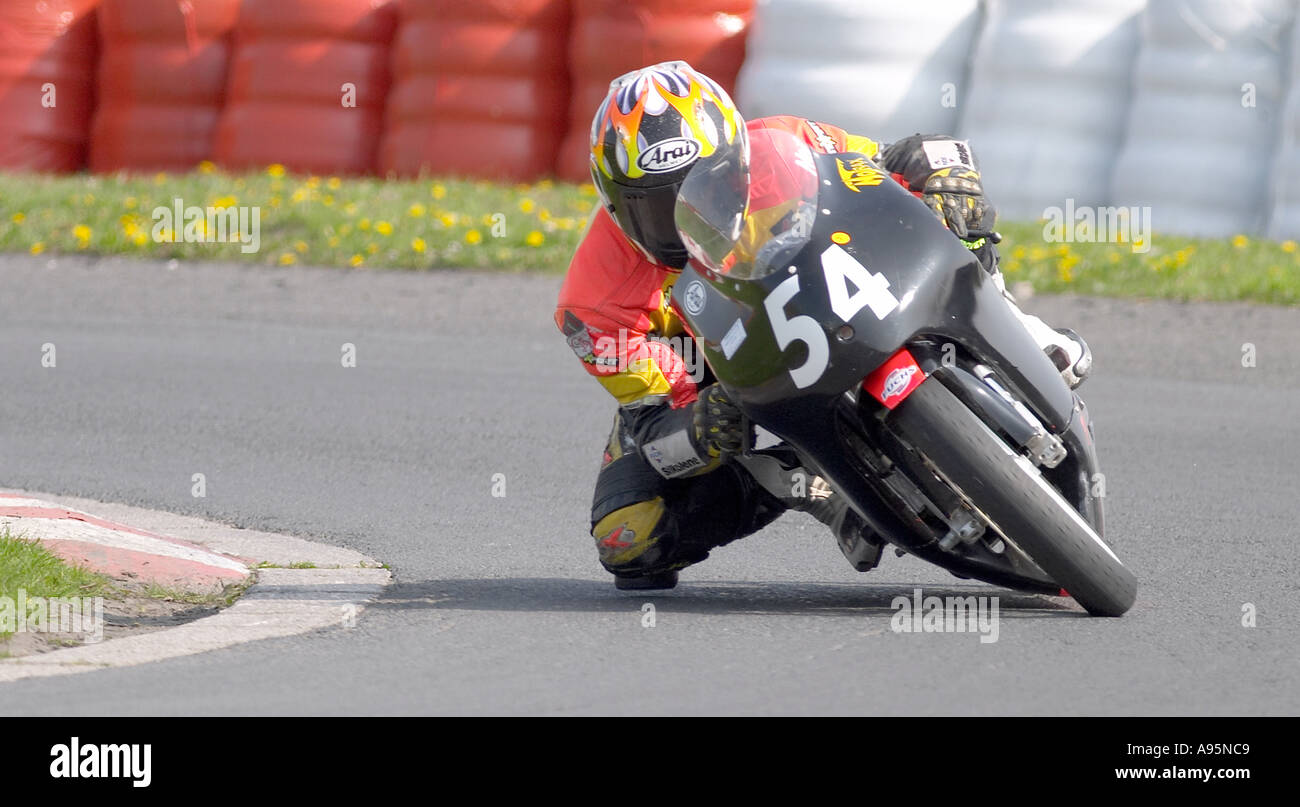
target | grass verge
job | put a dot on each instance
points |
(433, 223)
(26, 565)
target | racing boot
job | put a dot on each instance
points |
(860, 545)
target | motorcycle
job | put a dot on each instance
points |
(842, 317)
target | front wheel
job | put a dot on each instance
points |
(1011, 493)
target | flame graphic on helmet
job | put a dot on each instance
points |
(655, 91)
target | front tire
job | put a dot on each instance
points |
(1008, 489)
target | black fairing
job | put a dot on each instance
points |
(944, 296)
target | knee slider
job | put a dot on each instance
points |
(628, 539)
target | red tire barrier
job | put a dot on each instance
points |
(480, 88)
(611, 37)
(162, 78)
(287, 102)
(47, 69)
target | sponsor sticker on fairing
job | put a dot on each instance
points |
(894, 380)
(857, 173)
(734, 338)
(897, 381)
(695, 298)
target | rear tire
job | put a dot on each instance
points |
(1008, 489)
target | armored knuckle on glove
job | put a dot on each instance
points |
(718, 423)
(957, 197)
(942, 170)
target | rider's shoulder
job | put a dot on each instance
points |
(609, 275)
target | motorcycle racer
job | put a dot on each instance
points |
(667, 491)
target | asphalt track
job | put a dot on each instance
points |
(499, 605)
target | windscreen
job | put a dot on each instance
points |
(748, 221)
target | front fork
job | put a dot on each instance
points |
(1068, 458)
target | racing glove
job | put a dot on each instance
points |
(691, 440)
(941, 170)
(720, 427)
(956, 196)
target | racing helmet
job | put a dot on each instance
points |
(654, 125)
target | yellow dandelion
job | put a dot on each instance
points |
(333, 242)
(527, 205)
(447, 219)
(1288, 246)
(333, 183)
(1239, 241)
(298, 195)
(418, 245)
(534, 239)
(416, 210)
(18, 218)
(587, 189)
(356, 260)
(131, 202)
(37, 248)
(300, 247)
(207, 167)
(473, 237)
(139, 239)
(350, 208)
(313, 182)
(288, 259)
(275, 201)
(225, 201)
(438, 192)
(383, 228)
(275, 170)
(160, 177)
(364, 224)
(372, 248)
(81, 232)
(327, 200)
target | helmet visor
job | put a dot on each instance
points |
(742, 217)
(711, 207)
